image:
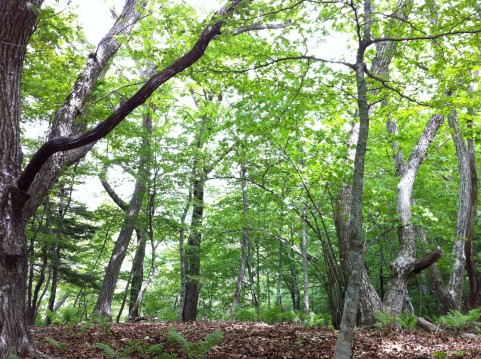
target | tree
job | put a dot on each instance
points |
(22, 191)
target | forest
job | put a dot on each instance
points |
(248, 178)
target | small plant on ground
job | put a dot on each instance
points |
(457, 321)
(246, 315)
(61, 346)
(312, 319)
(135, 348)
(195, 350)
(103, 321)
(386, 320)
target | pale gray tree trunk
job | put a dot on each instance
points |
(456, 281)
(403, 266)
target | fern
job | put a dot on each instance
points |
(106, 349)
(195, 350)
(58, 345)
(458, 321)
(154, 349)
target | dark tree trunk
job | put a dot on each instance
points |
(345, 339)
(192, 252)
(137, 273)
(17, 22)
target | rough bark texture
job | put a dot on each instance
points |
(104, 301)
(16, 26)
(473, 276)
(402, 267)
(456, 281)
(66, 122)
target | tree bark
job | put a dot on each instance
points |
(345, 339)
(192, 251)
(403, 266)
(17, 22)
(137, 273)
(104, 300)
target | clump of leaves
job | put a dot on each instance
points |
(439, 354)
(61, 346)
(457, 321)
(386, 320)
(195, 350)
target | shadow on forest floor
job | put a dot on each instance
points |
(244, 340)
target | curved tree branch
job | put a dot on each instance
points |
(105, 127)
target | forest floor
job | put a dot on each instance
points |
(245, 340)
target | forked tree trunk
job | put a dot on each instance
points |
(403, 266)
(104, 301)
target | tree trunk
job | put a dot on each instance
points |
(473, 276)
(345, 339)
(245, 244)
(279, 276)
(305, 273)
(17, 22)
(104, 300)
(403, 266)
(137, 273)
(456, 281)
(192, 252)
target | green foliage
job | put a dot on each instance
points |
(311, 319)
(104, 322)
(63, 347)
(246, 314)
(439, 354)
(386, 320)
(134, 348)
(69, 315)
(195, 350)
(106, 349)
(457, 321)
